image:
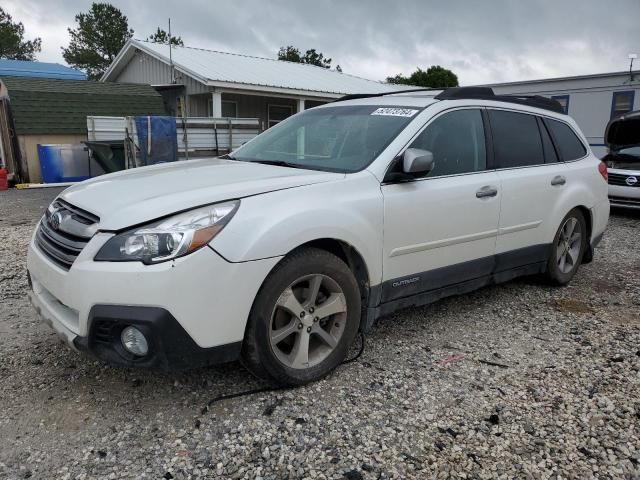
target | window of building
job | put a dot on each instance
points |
(229, 109)
(277, 113)
(516, 139)
(563, 100)
(570, 146)
(621, 103)
(457, 142)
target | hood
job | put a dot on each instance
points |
(136, 196)
(623, 131)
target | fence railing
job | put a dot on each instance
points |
(196, 136)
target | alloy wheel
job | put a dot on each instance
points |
(308, 321)
(569, 245)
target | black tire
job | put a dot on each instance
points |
(258, 354)
(556, 274)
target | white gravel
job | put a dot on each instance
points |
(515, 381)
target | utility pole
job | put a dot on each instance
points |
(632, 57)
(173, 76)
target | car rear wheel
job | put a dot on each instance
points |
(303, 320)
(568, 248)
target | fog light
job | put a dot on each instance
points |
(134, 342)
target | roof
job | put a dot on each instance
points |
(23, 68)
(50, 106)
(232, 70)
(636, 74)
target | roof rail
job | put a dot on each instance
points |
(476, 93)
(355, 96)
(486, 93)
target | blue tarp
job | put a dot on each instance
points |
(157, 138)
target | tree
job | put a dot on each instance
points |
(435, 77)
(160, 36)
(310, 57)
(13, 46)
(100, 35)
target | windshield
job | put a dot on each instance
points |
(336, 139)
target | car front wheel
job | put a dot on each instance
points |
(303, 320)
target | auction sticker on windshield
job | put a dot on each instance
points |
(395, 112)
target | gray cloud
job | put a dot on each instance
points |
(488, 41)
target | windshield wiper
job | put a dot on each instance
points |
(227, 156)
(278, 163)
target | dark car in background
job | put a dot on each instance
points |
(623, 160)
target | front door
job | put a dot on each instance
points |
(441, 229)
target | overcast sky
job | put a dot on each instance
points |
(481, 41)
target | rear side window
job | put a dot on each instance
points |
(457, 142)
(550, 155)
(516, 139)
(568, 143)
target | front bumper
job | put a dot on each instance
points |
(623, 195)
(194, 309)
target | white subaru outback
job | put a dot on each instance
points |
(280, 252)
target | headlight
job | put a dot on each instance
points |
(169, 238)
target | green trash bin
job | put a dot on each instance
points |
(109, 154)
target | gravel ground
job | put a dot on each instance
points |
(515, 381)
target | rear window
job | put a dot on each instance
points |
(570, 146)
(516, 139)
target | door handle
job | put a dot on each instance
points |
(558, 180)
(487, 191)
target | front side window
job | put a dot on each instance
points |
(337, 139)
(621, 103)
(516, 139)
(570, 146)
(457, 142)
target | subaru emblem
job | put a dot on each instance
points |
(55, 220)
(631, 181)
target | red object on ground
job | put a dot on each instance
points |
(4, 181)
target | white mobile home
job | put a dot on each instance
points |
(218, 84)
(592, 100)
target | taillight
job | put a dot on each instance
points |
(602, 168)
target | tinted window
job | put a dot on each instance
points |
(563, 100)
(516, 139)
(570, 146)
(550, 155)
(456, 140)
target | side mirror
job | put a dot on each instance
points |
(417, 162)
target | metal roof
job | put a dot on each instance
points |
(23, 68)
(232, 70)
(48, 106)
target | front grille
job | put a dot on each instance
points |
(74, 229)
(621, 180)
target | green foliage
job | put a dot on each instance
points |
(13, 46)
(435, 77)
(311, 56)
(160, 36)
(100, 35)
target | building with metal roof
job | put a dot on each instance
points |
(592, 100)
(28, 69)
(50, 111)
(220, 84)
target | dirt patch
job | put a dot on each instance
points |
(569, 305)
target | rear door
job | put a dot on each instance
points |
(532, 178)
(441, 229)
